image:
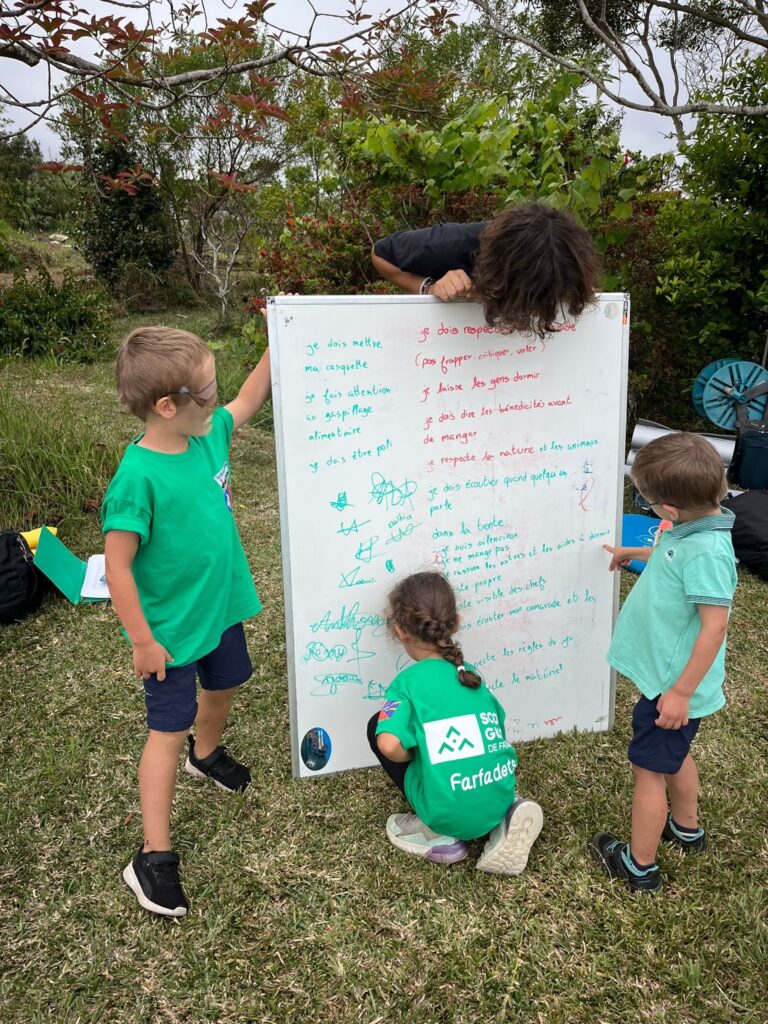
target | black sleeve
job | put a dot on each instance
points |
(432, 252)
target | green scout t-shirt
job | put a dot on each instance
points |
(692, 564)
(190, 568)
(462, 777)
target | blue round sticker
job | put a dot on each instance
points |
(316, 749)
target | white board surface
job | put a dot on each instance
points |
(411, 436)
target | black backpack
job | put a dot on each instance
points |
(22, 585)
(750, 531)
(749, 466)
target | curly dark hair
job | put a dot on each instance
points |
(424, 605)
(533, 264)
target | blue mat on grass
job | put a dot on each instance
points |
(638, 531)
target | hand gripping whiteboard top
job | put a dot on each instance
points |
(410, 436)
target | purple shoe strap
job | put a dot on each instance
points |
(447, 854)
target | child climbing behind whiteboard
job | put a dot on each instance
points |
(440, 738)
(179, 579)
(670, 641)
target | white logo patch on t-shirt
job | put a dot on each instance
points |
(453, 739)
(222, 479)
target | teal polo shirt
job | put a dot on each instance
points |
(657, 627)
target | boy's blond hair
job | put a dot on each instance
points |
(682, 470)
(157, 361)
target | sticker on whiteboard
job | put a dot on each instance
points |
(611, 310)
(316, 749)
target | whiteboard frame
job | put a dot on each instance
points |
(282, 301)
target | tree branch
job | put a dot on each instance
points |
(715, 19)
(657, 105)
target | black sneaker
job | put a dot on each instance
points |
(219, 767)
(607, 851)
(154, 879)
(697, 845)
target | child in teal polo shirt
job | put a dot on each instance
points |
(440, 737)
(178, 579)
(670, 641)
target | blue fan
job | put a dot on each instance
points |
(728, 388)
(703, 379)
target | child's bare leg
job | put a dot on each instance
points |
(212, 713)
(683, 791)
(157, 780)
(649, 813)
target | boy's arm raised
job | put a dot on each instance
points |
(253, 394)
(149, 657)
(673, 705)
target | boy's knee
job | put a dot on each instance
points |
(168, 740)
(217, 697)
(645, 775)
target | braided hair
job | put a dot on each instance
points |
(424, 605)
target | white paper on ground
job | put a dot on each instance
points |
(95, 583)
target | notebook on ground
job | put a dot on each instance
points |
(77, 580)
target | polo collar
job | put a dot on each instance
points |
(724, 521)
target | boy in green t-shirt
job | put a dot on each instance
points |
(179, 579)
(670, 641)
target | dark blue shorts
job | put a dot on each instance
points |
(172, 704)
(656, 749)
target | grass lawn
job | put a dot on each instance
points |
(301, 910)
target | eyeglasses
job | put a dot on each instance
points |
(205, 397)
(647, 506)
(643, 503)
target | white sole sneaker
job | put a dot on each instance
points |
(130, 879)
(409, 833)
(507, 847)
(190, 769)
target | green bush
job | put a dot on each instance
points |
(18, 251)
(8, 258)
(123, 230)
(67, 322)
(317, 256)
(714, 275)
(696, 262)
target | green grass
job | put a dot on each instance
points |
(62, 432)
(301, 910)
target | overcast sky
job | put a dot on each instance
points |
(646, 132)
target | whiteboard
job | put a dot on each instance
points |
(410, 436)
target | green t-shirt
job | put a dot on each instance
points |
(190, 568)
(692, 564)
(462, 777)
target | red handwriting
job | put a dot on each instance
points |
(484, 329)
(446, 363)
(499, 408)
(514, 450)
(585, 492)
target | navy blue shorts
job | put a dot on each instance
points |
(656, 749)
(172, 704)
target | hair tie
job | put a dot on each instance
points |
(460, 668)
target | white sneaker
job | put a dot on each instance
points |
(408, 832)
(507, 847)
